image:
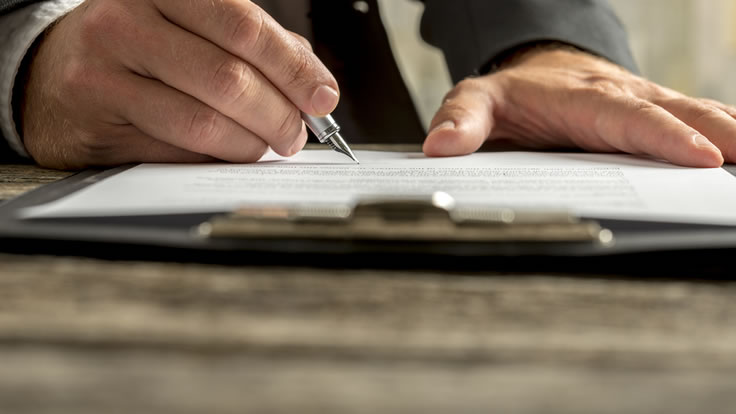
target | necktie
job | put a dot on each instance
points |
(375, 105)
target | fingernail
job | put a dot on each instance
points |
(444, 125)
(325, 100)
(702, 141)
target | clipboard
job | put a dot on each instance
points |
(429, 231)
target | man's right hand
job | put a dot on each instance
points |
(121, 81)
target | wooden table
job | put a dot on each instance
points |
(81, 335)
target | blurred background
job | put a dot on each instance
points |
(687, 45)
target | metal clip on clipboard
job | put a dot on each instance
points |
(432, 218)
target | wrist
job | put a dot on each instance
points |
(520, 54)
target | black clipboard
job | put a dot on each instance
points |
(403, 232)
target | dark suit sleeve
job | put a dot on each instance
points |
(6, 153)
(6, 6)
(472, 33)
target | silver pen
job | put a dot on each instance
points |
(328, 132)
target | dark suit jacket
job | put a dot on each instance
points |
(375, 104)
(10, 5)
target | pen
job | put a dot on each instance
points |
(328, 132)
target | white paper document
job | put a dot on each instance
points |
(589, 185)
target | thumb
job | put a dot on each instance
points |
(464, 121)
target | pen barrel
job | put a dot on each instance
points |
(322, 127)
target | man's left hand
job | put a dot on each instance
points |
(570, 99)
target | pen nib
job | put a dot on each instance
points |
(337, 143)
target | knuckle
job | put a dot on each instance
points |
(470, 87)
(730, 109)
(454, 102)
(468, 84)
(451, 96)
(204, 129)
(599, 80)
(301, 70)
(102, 19)
(245, 27)
(656, 92)
(303, 41)
(256, 152)
(677, 101)
(455, 108)
(601, 88)
(75, 76)
(91, 23)
(695, 109)
(708, 113)
(72, 74)
(231, 81)
(643, 113)
(643, 107)
(290, 126)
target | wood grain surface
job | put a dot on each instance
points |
(18, 179)
(91, 336)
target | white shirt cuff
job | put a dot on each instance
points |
(19, 30)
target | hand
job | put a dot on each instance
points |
(564, 98)
(120, 81)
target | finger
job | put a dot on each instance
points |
(226, 83)
(301, 39)
(463, 122)
(143, 148)
(245, 30)
(720, 105)
(182, 121)
(641, 127)
(133, 146)
(713, 122)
